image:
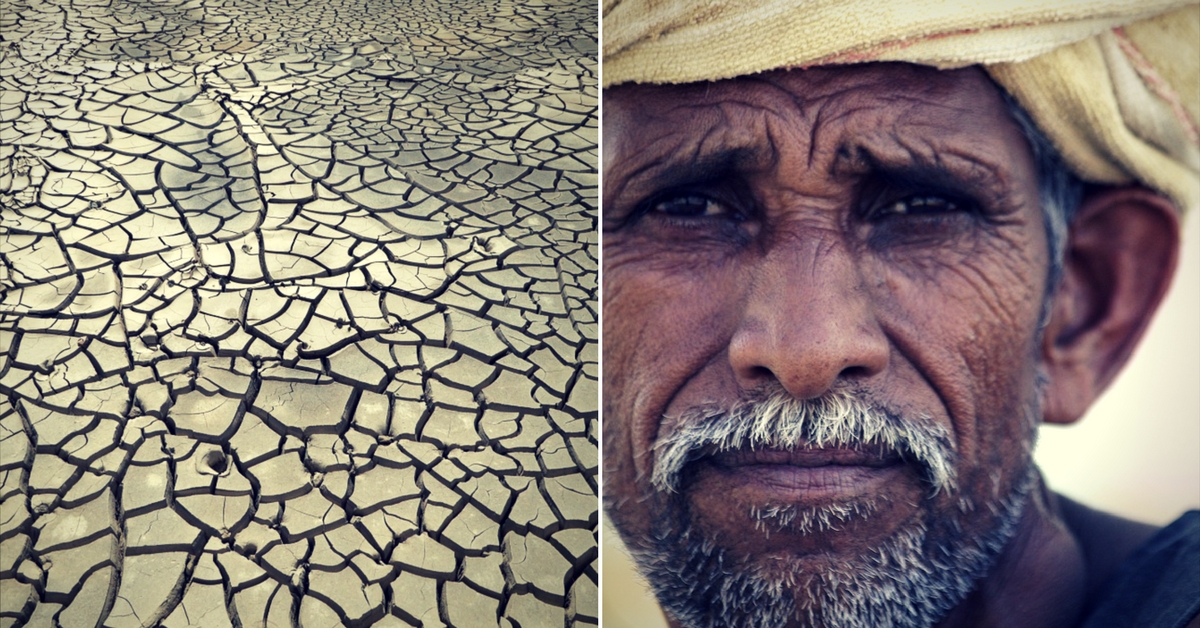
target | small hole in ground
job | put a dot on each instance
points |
(216, 461)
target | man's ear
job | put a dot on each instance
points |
(1119, 259)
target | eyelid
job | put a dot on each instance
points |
(732, 207)
(920, 204)
(693, 198)
(884, 188)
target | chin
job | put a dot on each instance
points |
(728, 552)
(910, 578)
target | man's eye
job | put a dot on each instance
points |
(917, 205)
(690, 206)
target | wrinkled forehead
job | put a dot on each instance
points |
(754, 117)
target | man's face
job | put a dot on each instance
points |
(870, 233)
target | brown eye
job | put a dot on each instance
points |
(915, 205)
(690, 206)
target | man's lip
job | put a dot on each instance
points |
(799, 476)
(805, 458)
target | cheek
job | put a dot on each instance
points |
(660, 312)
(663, 322)
(970, 329)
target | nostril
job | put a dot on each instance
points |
(755, 376)
(760, 373)
(854, 372)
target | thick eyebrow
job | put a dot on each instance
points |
(680, 171)
(676, 171)
(962, 174)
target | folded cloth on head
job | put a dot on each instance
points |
(1114, 84)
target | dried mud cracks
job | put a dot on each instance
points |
(298, 316)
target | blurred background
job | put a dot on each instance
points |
(1136, 453)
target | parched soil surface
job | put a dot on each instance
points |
(297, 313)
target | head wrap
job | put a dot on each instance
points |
(1114, 84)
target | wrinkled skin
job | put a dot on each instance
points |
(873, 228)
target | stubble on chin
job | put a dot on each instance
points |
(797, 519)
(911, 579)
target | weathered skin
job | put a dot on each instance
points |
(751, 239)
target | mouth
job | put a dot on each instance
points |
(802, 476)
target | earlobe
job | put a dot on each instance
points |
(1119, 259)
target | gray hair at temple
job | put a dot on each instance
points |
(1060, 192)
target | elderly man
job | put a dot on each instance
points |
(853, 257)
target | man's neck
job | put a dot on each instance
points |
(1050, 572)
(1107, 540)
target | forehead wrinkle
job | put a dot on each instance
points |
(795, 120)
(829, 106)
(742, 135)
(867, 118)
(840, 125)
(754, 118)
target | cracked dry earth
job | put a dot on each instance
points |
(298, 313)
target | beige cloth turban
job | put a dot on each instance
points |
(1115, 84)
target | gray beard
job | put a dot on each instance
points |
(911, 580)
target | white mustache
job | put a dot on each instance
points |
(773, 419)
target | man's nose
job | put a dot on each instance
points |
(808, 322)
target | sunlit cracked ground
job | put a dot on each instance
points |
(298, 313)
